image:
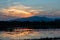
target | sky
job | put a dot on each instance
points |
(11, 9)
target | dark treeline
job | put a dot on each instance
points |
(45, 39)
(34, 25)
(40, 39)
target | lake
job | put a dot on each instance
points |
(17, 34)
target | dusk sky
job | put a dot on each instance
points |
(11, 9)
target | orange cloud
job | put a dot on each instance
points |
(19, 11)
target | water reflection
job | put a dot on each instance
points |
(29, 34)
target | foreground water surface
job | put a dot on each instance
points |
(29, 34)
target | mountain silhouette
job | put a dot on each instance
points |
(34, 18)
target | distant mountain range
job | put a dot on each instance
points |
(34, 18)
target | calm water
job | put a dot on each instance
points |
(29, 34)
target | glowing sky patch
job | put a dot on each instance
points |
(19, 11)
